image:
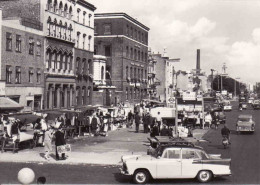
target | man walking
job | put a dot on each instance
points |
(137, 122)
(159, 121)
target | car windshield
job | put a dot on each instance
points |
(244, 119)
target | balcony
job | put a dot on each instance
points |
(61, 37)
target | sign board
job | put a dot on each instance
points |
(189, 96)
(2, 88)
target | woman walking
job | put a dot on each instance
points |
(47, 142)
(60, 142)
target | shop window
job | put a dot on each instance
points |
(8, 41)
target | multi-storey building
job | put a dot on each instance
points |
(152, 81)
(21, 61)
(165, 73)
(124, 41)
(84, 49)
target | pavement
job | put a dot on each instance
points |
(94, 150)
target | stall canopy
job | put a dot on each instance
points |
(9, 104)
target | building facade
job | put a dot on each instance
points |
(84, 49)
(124, 41)
(166, 75)
(152, 80)
(22, 67)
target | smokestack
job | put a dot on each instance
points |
(198, 62)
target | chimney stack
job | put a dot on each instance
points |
(198, 62)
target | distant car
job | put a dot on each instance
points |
(175, 162)
(244, 105)
(227, 106)
(250, 100)
(256, 104)
(245, 123)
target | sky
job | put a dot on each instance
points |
(225, 31)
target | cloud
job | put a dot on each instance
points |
(202, 27)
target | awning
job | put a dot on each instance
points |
(9, 104)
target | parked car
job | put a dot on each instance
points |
(250, 100)
(175, 161)
(256, 104)
(245, 123)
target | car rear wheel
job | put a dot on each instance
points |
(204, 176)
(141, 177)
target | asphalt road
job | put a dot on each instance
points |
(244, 153)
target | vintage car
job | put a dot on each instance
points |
(227, 106)
(256, 104)
(245, 123)
(175, 161)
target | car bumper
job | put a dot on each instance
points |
(123, 172)
(223, 175)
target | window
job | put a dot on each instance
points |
(38, 77)
(131, 32)
(142, 56)
(18, 43)
(83, 41)
(131, 53)
(135, 55)
(89, 89)
(172, 154)
(30, 75)
(77, 95)
(18, 75)
(8, 74)
(83, 92)
(8, 41)
(102, 73)
(189, 154)
(107, 51)
(78, 34)
(126, 72)
(135, 34)
(131, 72)
(31, 46)
(145, 57)
(126, 93)
(127, 52)
(78, 11)
(95, 50)
(89, 41)
(127, 30)
(95, 29)
(139, 55)
(38, 49)
(89, 19)
(107, 29)
(84, 17)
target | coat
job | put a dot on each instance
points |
(59, 138)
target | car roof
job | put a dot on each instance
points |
(245, 116)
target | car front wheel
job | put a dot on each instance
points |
(141, 177)
(204, 176)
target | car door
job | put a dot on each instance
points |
(169, 165)
(191, 163)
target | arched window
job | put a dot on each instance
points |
(65, 10)
(77, 95)
(59, 29)
(84, 66)
(89, 66)
(83, 95)
(77, 42)
(89, 41)
(70, 12)
(61, 60)
(84, 41)
(89, 91)
(65, 31)
(49, 25)
(135, 55)
(84, 17)
(77, 64)
(48, 59)
(54, 27)
(102, 73)
(61, 8)
(126, 71)
(54, 59)
(78, 12)
(71, 61)
(55, 6)
(70, 30)
(65, 61)
(49, 5)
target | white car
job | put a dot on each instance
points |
(175, 162)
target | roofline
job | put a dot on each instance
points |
(124, 15)
(86, 4)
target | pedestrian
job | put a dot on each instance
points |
(95, 123)
(130, 117)
(159, 120)
(146, 122)
(137, 122)
(165, 131)
(59, 143)
(155, 130)
(47, 142)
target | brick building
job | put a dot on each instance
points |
(22, 66)
(124, 41)
(84, 49)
